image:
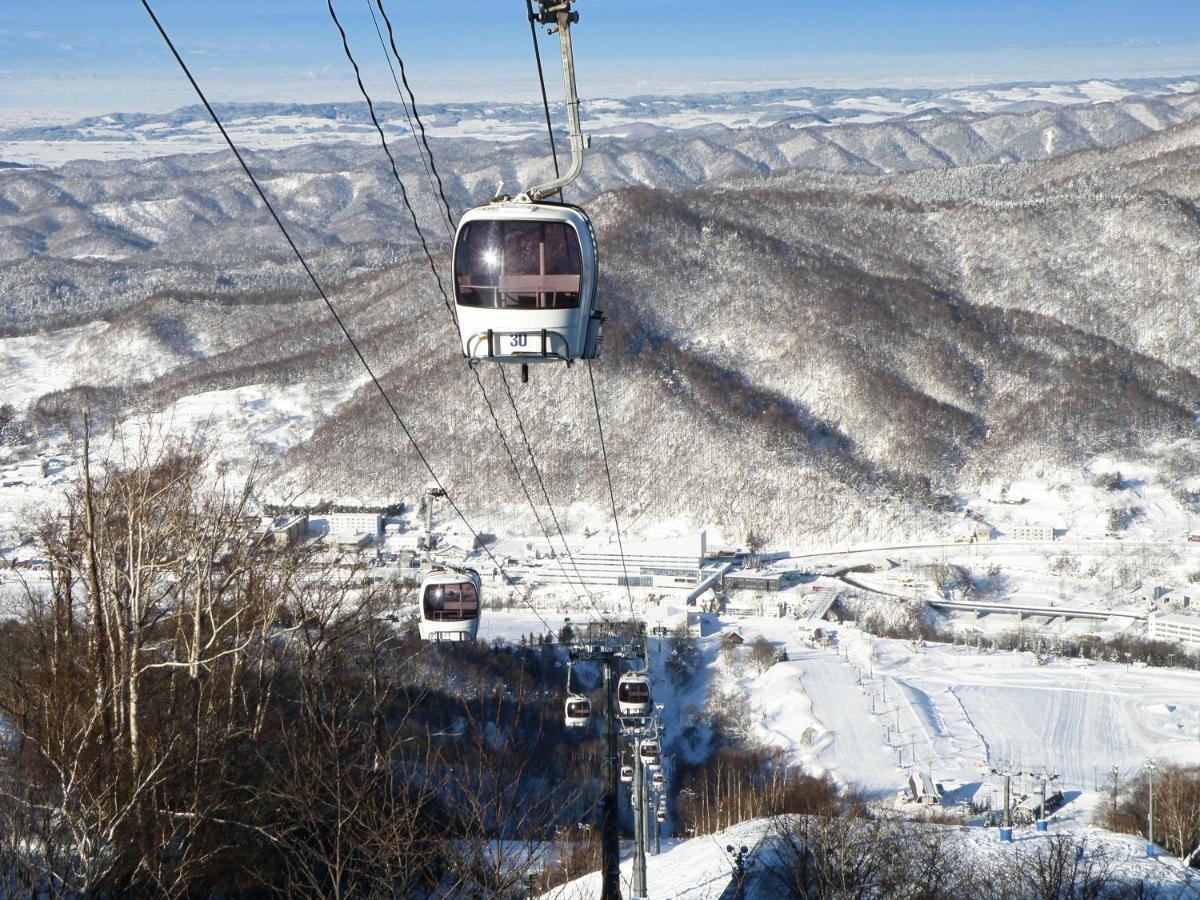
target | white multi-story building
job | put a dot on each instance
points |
(1032, 533)
(1174, 627)
(354, 523)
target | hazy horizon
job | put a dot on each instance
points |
(73, 60)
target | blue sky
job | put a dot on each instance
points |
(68, 56)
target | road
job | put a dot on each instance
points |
(999, 546)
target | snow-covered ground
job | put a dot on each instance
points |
(245, 423)
(700, 868)
(37, 364)
(958, 713)
(697, 869)
(954, 712)
(865, 710)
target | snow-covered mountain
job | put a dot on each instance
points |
(92, 237)
(277, 125)
(831, 331)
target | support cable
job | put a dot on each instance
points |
(417, 115)
(332, 310)
(444, 209)
(611, 496)
(392, 160)
(541, 482)
(537, 55)
(528, 497)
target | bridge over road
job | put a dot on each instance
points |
(1025, 609)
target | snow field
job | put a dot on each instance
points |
(700, 867)
(960, 712)
(696, 869)
(37, 364)
(257, 418)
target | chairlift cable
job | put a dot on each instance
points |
(392, 160)
(541, 482)
(329, 304)
(444, 210)
(608, 477)
(528, 497)
(508, 389)
(416, 114)
(537, 55)
(495, 420)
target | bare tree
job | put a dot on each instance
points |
(507, 805)
(1176, 808)
(1058, 869)
(157, 683)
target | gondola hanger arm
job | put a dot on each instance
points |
(561, 16)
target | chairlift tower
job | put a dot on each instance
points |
(609, 657)
(638, 805)
(1150, 766)
(1006, 772)
(641, 733)
(1045, 777)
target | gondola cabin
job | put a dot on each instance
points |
(450, 604)
(661, 815)
(657, 779)
(633, 695)
(525, 283)
(577, 710)
(648, 751)
(627, 774)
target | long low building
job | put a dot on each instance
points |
(1174, 627)
(673, 563)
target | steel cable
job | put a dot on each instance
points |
(332, 310)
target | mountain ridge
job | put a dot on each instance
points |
(801, 352)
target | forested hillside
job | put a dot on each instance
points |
(804, 353)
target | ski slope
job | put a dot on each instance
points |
(957, 712)
(851, 747)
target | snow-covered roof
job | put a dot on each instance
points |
(685, 547)
(1178, 619)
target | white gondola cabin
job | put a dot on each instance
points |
(525, 283)
(633, 695)
(648, 751)
(525, 269)
(577, 711)
(627, 774)
(661, 815)
(450, 604)
(657, 779)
